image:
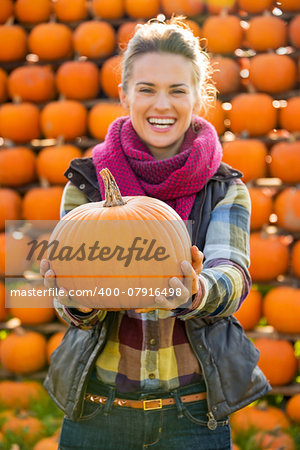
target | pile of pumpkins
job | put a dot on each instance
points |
(57, 101)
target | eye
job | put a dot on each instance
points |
(146, 90)
(178, 91)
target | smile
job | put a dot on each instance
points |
(161, 123)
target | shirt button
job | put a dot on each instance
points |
(152, 341)
(151, 376)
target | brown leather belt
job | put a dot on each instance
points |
(156, 403)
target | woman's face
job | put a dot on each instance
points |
(161, 99)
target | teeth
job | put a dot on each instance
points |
(163, 122)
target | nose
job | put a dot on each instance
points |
(162, 101)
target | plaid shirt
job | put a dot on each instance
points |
(146, 351)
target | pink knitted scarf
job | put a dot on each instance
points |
(175, 180)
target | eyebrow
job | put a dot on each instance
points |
(152, 84)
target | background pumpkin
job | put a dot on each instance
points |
(275, 439)
(277, 360)
(52, 162)
(10, 206)
(224, 34)
(66, 118)
(70, 10)
(289, 117)
(269, 256)
(293, 408)
(255, 6)
(125, 32)
(289, 5)
(295, 258)
(216, 116)
(144, 9)
(51, 41)
(281, 308)
(31, 11)
(253, 114)
(250, 311)
(226, 74)
(42, 203)
(248, 156)
(19, 122)
(261, 417)
(101, 116)
(32, 83)
(182, 7)
(287, 208)
(6, 10)
(285, 161)
(110, 76)
(266, 32)
(3, 310)
(108, 9)
(78, 80)
(23, 352)
(261, 207)
(12, 174)
(94, 39)
(13, 43)
(293, 31)
(53, 342)
(3, 86)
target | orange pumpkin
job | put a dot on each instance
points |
(142, 9)
(274, 439)
(295, 259)
(262, 207)
(30, 428)
(285, 162)
(32, 83)
(101, 116)
(65, 118)
(32, 309)
(94, 39)
(224, 34)
(282, 68)
(42, 203)
(249, 313)
(13, 43)
(289, 5)
(252, 113)
(281, 308)
(248, 156)
(3, 309)
(219, 6)
(260, 417)
(31, 11)
(49, 443)
(3, 86)
(78, 80)
(215, 114)
(20, 394)
(53, 342)
(266, 32)
(23, 352)
(277, 360)
(287, 208)
(108, 9)
(293, 31)
(19, 122)
(289, 117)
(293, 408)
(51, 41)
(269, 256)
(193, 26)
(110, 76)
(12, 174)
(226, 74)
(10, 206)
(6, 10)
(70, 10)
(255, 6)
(125, 32)
(182, 7)
(120, 220)
(52, 162)
(12, 244)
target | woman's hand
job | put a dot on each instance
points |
(50, 282)
(188, 287)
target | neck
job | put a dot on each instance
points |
(166, 152)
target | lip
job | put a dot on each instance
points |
(161, 130)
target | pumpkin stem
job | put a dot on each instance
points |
(112, 193)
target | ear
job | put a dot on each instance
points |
(123, 97)
(197, 106)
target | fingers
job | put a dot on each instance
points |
(44, 266)
(49, 279)
(191, 281)
(197, 259)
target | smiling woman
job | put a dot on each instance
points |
(170, 376)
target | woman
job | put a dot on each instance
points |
(166, 378)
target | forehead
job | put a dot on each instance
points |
(162, 68)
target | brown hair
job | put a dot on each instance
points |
(172, 36)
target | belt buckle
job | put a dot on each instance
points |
(156, 400)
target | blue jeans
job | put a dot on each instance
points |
(179, 427)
